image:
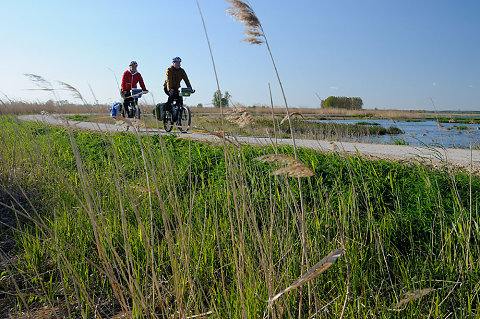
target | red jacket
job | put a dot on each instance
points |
(129, 81)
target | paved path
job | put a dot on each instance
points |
(456, 157)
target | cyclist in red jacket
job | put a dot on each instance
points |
(130, 79)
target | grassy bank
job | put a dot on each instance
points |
(101, 225)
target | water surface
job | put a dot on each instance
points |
(424, 133)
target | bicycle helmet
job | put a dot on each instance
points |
(176, 59)
(133, 63)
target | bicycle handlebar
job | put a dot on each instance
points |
(187, 91)
(139, 93)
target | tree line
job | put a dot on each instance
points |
(342, 102)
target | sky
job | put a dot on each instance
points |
(422, 54)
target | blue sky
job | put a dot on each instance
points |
(392, 54)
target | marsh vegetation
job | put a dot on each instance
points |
(102, 225)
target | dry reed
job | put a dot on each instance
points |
(316, 270)
(291, 116)
(42, 83)
(293, 168)
(76, 94)
(412, 295)
(240, 116)
(221, 135)
(242, 12)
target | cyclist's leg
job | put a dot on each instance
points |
(126, 102)
(180, 108)
(137, 108)
(178, 98)
(168, 105)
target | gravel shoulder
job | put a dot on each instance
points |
(429, 155)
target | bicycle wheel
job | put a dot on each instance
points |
(184, 120)
(131, 111)
(137, 112)
(167, 121)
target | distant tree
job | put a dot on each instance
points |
(200, 105)
(342, 102)
(217, 97)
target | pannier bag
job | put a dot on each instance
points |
(158, 111)
(116, 109)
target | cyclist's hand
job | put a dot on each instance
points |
(170, 92)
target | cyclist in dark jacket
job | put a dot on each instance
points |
(175, 75)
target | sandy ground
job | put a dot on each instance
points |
(428, 155)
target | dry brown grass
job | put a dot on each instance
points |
(387, 114)
(76, 94)
(316, 270)
(412, 295)
(51, 107)
(291, 115)
(240, 116)
(293, 168)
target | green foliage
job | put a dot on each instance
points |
(158, 224)
(342, 102)
(414, 120)
(392, 130)
(224, 98)
(78, 117)
(459, 120)
(366, 123)
(400, 141)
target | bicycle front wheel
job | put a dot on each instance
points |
(167, 121)
(184, 120)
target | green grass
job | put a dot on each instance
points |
(159, 225)
(262, 126)
(459, 120)
(78, 117)
(414, 120)
(367, 123)
(400, 142)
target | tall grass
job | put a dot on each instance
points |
(149, 226)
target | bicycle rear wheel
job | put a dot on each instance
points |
(184, 120)
(167, 121)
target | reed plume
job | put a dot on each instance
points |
(221, 135)
(76, 94)
(240, 116)
(42, 83)
(293, 168)
(291, 116)
(412, 295)
(316, 270)
(242, 12)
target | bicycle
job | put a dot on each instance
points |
(179, 113)
(132, 110)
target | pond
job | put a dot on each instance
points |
(421, 133)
